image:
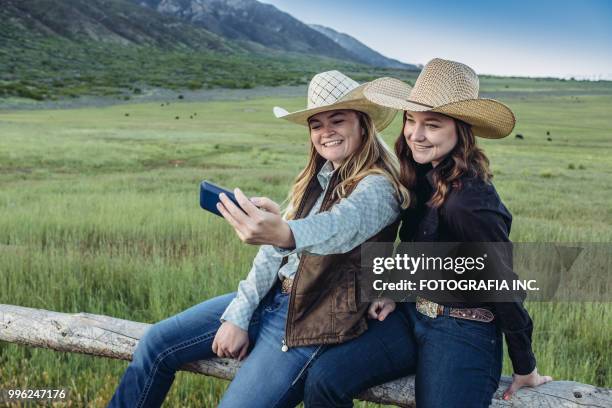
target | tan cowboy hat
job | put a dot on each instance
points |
(450, 88)
(333, 90)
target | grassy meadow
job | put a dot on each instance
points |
(99, 213)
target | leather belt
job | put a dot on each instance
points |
(433, 310)
(286, 284)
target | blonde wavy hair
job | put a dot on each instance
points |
(372, 157)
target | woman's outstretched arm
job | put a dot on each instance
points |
(371, 206)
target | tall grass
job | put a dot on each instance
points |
(99, 213)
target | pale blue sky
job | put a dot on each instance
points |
(526, 38)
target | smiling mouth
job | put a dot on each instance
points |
(332, 143)
(421, 147)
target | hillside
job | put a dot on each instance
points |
(255, 22)
(54, 49)
(106, 21)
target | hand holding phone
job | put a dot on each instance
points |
(209, 197)
(269, 229)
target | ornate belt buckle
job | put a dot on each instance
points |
(286, 285)
(427, 307)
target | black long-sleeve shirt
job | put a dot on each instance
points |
(472, 213)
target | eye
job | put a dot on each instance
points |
(337, 122)
(432, 126)
(409, 120)
(314, 127)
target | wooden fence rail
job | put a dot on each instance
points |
(116, 338)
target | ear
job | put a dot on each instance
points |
(362, 122)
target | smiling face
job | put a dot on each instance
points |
(430, 136)
(336, 134)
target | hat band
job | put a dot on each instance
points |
(419, 103)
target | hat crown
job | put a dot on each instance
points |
(442, 82)
(326, 88)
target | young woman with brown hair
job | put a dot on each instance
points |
(458, 344)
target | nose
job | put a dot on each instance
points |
(326, 131)
(415, 133)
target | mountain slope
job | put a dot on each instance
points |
(362, 51)
(107, 21)
(252, 21)
(54, 49)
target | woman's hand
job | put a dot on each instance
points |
(530, 380)
(266, 204)
(231, 341)
(381, 308)
(257, 226)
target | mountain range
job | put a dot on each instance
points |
(104, 21)
(71, 47)
(264, 24)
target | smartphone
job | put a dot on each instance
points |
(209, 197)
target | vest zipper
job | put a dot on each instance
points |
(330, 186)
(284, 347)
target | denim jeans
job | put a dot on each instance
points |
(387, 350)
(457, 362)
(265, 378)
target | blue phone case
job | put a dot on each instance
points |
(209, 197)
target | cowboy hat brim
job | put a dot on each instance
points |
(381, 116)
(489, 118)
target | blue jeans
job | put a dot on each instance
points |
(386, 351)
(188, 337)
(457, 362)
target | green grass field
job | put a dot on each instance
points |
(99, 213)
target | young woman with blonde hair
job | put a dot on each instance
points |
(301, 292)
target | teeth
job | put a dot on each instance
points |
(334, 143)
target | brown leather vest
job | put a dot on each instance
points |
(324, 307)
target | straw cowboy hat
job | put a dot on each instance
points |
(450, 88)
(333, 90)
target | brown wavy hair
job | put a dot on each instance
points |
(466, 158)
(372, 157)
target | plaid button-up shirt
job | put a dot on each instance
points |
(371, 206)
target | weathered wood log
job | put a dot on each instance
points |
(116, 338)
